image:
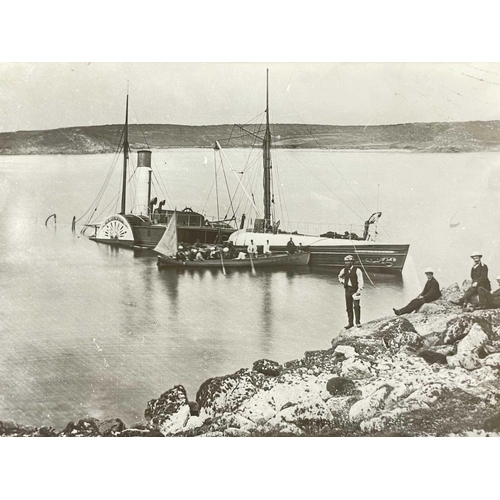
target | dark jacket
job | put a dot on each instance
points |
(431, 291)
(479, 275)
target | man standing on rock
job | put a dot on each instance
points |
(479, 276)
(352, 279)
(430, 293)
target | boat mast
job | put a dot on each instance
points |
(125, 161)
(267, 163)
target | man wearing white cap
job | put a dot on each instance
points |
(352, 279)
(430, 293)
(479, 276)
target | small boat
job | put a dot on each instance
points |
(169, 257)
(142, 225)
(296, 259)
(328, 249)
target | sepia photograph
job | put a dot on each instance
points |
(247, 244)
(250, 249)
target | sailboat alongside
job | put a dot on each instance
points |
(327, 249)
(143, 225)
(169, 256)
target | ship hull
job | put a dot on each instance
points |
(374, 257)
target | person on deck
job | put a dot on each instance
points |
(352, 279)
(430, 293)
(290, 247)
(479, 276)
(252, 249)
(199, 256)
(489, 300)
(267, 249)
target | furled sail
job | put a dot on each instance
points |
(168, 244)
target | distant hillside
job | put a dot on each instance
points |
(423, 137)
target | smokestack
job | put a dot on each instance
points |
(143, 177)
(144, 158)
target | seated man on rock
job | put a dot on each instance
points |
(430, 293)
(479, 276)
(488, 300)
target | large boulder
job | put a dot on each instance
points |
(110, 426)
(85, 427)
(458, 328)
(170, 412)
(397, 333)
(267, 367)
(433, 357)
(367, 408)
(220, 395)
(341, 386)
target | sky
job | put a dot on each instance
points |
(38, 95)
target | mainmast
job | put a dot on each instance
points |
(267, 163)
(125, 161)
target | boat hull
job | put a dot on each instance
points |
(130, 231)
(285, 260)
(374, 257)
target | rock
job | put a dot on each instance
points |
(433, 357)
(451, 292)
(397, 333)
(46, 431)
(8, 427)
(267, 367)
(110, 426)
(341, 386)
(492, 423)
(194, 408)
(135, 432)
(339, 407)
(212, 434)
(324, 360)
(368, 407)
(219, 395)
(235, 432)
(356, 368)
(467, 360)
(259, 408)
(492, 360)
(170, 412)
(473, 341)
(346, 350)
(426, 394)
(458, 328)
(84, 427)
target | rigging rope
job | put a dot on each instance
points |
(334, 166)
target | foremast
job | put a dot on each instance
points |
(267, 163)
(125, 161)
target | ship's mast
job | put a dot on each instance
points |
(267, 163)
(125, 161)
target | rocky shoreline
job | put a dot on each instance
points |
(431, 373)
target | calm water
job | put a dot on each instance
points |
(87, 329)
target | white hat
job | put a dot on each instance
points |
(348, 257)
(226, 249)
(181, 247)
(429, 270)
(476, 254)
